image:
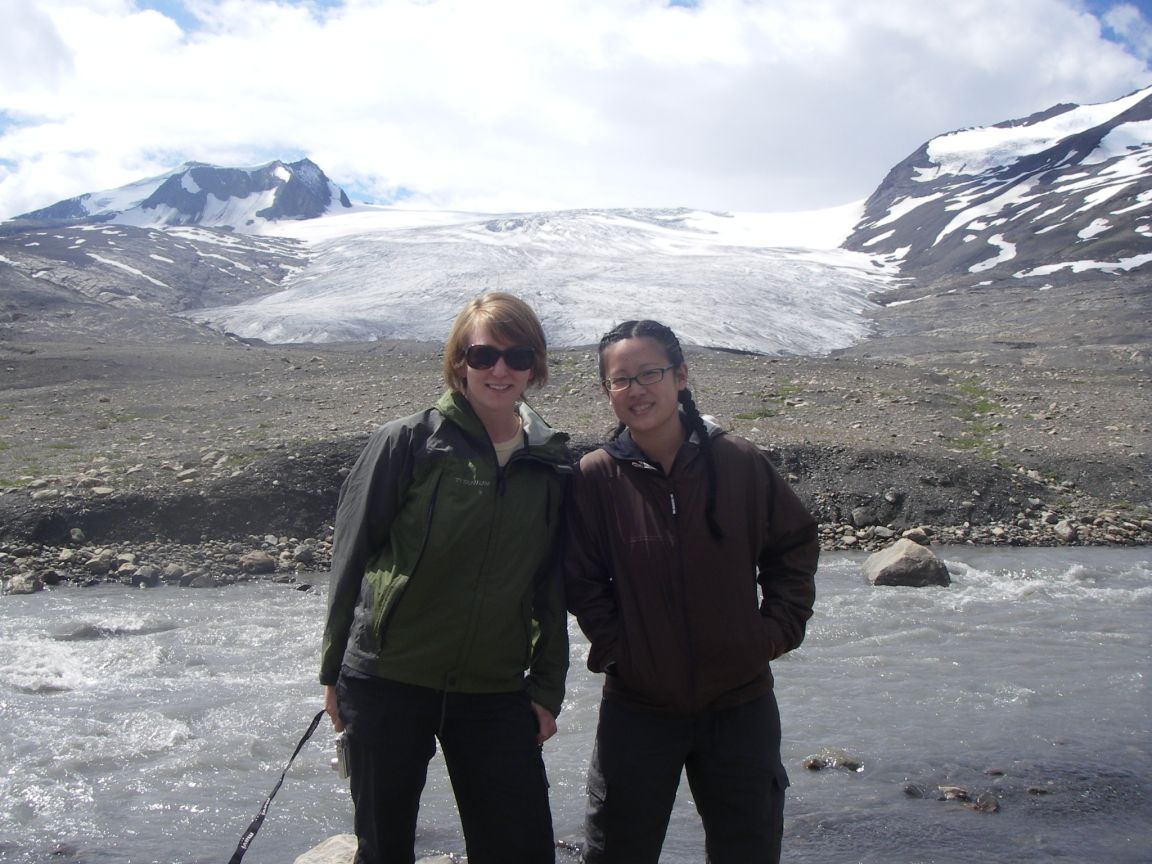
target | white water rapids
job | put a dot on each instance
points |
(148, 726)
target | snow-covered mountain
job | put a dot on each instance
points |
(244, 199)
(280, 254)
(1063, 192)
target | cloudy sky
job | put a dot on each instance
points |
(746, 105)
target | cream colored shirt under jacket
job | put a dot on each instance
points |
(505, 449)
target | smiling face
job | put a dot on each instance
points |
(647, 410)
(495, 391)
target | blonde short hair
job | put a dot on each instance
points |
(507, 318)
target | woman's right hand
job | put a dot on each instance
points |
(330, 707)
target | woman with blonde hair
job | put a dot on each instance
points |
(445, 619)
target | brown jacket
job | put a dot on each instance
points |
(673, 615)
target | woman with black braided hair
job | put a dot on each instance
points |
(690, 566)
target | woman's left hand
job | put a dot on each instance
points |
(545, 723)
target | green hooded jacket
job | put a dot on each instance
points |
(445, 568)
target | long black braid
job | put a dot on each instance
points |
(667, 340)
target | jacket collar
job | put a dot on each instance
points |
(539, 436)
(624, 449)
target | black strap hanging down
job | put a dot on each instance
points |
(250, 834)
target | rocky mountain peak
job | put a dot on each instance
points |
(1063, 191)
(206, 195)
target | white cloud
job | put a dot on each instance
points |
(753, 105)
(1130, 25)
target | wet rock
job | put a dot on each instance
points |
(986, 803)
(834, 759)
(915, 790)
(146, 577)
(954, 793)
(199, 579)
(906, 563)
(917, 535)
(257, 561)
(25, 583)
(98, 566)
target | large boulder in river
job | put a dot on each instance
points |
(906, 563)
(25, 583)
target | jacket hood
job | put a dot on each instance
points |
(622, 447)
(541, 438)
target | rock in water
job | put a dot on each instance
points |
(25, 583)
(339, 849)
(908, 564)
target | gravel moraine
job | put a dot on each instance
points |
(207, 461)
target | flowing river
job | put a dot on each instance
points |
(149, 726)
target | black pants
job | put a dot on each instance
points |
(732, 758)
(493, 760)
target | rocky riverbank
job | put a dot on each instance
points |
(203, 461)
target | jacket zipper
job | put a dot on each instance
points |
(689, 651)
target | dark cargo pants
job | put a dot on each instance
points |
(732, 759)
(493, 760)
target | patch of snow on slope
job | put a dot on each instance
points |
(127, 268)
(1120, 141)
(1099, 196)
(1143, 199)
(237, 212)
(118, 200)
(1014, 194)
(880, 238)
(1124, 264)
(905, 206)
(1098, 226)
(1007, 253)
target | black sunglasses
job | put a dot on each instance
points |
(518, 357)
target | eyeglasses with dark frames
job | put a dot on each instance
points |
(518, 357)
(646, 378)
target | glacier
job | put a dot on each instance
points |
(764, 283)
